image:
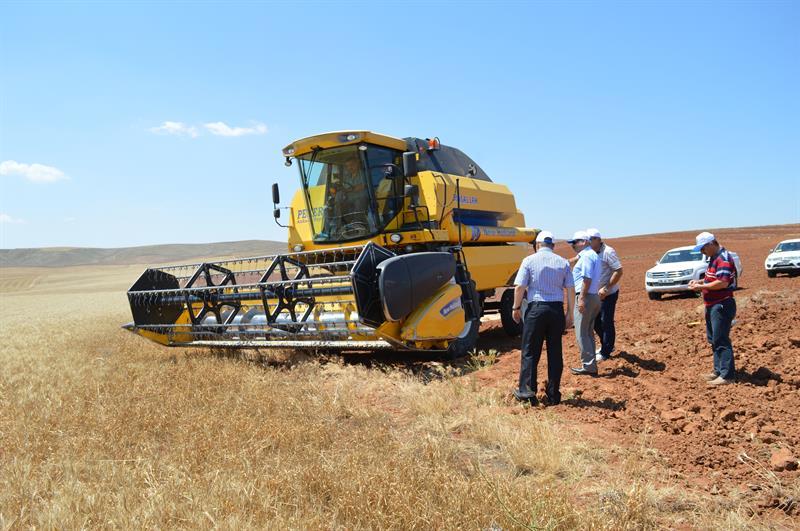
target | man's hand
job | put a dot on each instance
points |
(581, 304)
(696, 285)
(516, 315)
(603, 292)
(570, 321)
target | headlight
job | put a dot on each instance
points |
(686, 272)
(649, 274)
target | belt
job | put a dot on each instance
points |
(546, 303)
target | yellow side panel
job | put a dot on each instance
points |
(300, 226)
(491, 266)
(440, 317)
(438, 190)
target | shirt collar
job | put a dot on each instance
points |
(543, 248)
(586, 250)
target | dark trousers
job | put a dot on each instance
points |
(718, 331)
(544, 321)
(604, 324)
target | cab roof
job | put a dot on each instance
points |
(444, 159)
(341, 138)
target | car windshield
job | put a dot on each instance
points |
(352, 192)
(787, 246)
(685, 255)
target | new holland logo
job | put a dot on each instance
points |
(450, 307)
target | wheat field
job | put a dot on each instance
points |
(102, 429)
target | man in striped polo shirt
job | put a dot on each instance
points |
(544, 276)
(717, 288)
(610, 275)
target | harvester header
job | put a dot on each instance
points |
(392, 243)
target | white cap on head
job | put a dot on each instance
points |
(593, 233)
(702, 239)
(545, 236)
(579, 235)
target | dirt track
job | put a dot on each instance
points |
(723, 438)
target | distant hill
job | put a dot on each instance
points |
(148, 254)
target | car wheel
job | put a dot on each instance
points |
(772, 274)
(654, 296)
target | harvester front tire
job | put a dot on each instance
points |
(511, 327)
(465, 343)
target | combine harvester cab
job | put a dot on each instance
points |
(395, 244)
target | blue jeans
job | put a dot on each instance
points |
(718, 329)
(604, 324)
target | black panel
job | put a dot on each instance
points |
(446, 159)
(149, 312)
(405, 281)
(365, 284)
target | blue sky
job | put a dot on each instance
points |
(631, 117)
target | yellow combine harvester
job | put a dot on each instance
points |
(393, 243)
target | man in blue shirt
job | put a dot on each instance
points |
(586, 276)
(544, 276)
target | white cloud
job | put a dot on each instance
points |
(5, 219)
(175, 128)
(223, 129)
(38, 173)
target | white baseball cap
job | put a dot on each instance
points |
(593, 233)
(545, 236)
(703, 239)
(579, 235)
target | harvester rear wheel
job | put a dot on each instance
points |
(511, 327)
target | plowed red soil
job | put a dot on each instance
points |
(716, 438)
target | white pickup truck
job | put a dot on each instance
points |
(784, 258)
(676, 268)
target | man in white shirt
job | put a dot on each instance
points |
(610, 275)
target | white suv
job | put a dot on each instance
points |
(784, 258)
(676, 268)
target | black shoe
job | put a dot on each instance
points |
(524, 397)
(548, 401)
(582, 371)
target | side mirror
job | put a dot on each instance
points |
(412, 192)
(276, 194)
(409, 164)
(656, 262)
(771, 250)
